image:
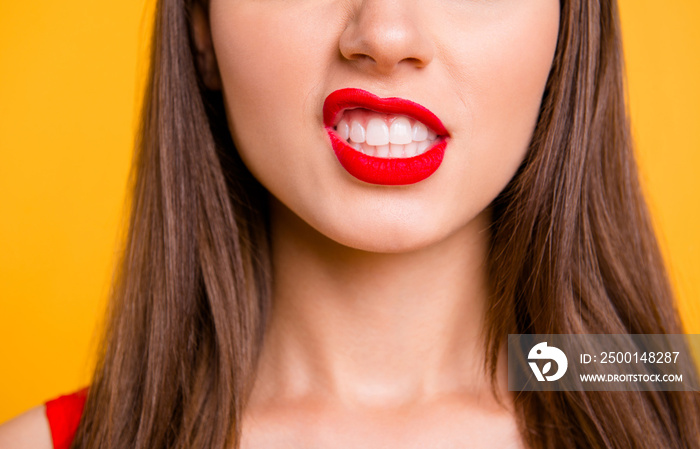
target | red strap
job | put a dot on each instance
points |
(64, 415)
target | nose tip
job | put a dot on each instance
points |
(384, 35)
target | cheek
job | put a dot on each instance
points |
(256, 48)
(269, 59)
(517, 63)
(504, 61)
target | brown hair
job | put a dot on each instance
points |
(572, 251)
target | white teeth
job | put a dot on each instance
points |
(400, 131)
(382, 150)
(357, 132)
(377, 132)
(369, 133)
(393, 150)
(410, 149)
(343, 129)
(396, 150)
(420, 132)
(422, 146)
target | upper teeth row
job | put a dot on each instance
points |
(376, 131)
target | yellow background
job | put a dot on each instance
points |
(69, 77)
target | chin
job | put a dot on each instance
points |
(384, 236)
(395, 244)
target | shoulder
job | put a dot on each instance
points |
(49, 426)
(29, 430)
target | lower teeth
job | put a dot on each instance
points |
(392, 150)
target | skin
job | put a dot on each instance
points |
(28, 430)
(380, 292)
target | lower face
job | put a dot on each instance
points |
(479, 66)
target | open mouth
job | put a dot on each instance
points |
(384, 135)
(389, 141)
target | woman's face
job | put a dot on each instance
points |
(480, 66)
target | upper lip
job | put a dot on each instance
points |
(349, 98)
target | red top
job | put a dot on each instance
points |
(64, 415)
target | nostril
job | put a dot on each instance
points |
(416, 62)
(383, 36)
(360, 57)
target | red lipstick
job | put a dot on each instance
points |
(381, 170)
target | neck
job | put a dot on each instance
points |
(374, 328)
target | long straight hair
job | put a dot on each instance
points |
(572, 251)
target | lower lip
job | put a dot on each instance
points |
(387, 171)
